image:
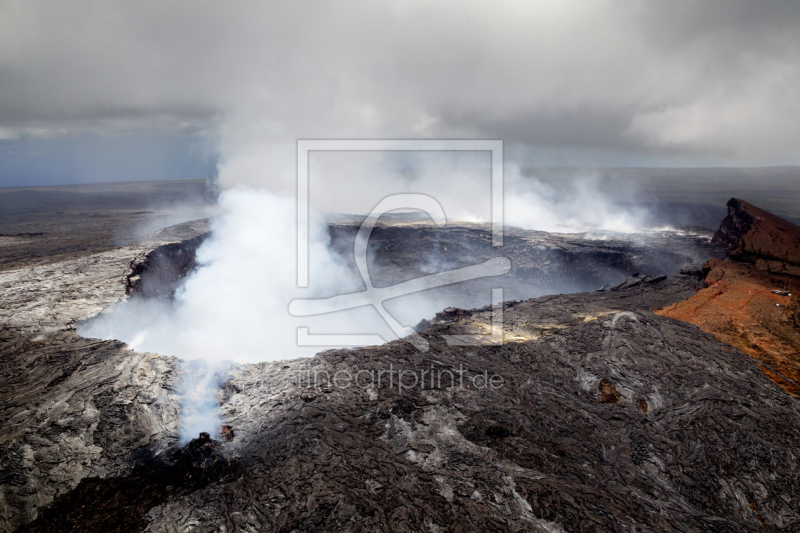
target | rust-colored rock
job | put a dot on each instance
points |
(756, 236)
(608, 393)
(739, 308)
(749, 300)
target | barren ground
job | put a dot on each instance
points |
(608, 417)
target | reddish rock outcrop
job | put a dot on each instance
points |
(749, 301)
(739, 308)
(756, 236)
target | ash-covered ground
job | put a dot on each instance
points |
(594, 415)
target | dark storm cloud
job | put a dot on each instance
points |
(716, 79)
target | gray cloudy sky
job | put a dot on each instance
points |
(156, 89)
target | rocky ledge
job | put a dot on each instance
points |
(756, 236)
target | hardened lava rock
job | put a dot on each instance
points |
(606, 418)
(594, 415)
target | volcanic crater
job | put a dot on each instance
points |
(609, 416)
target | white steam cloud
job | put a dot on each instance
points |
(579, 205)
(234, 307)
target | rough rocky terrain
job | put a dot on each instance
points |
(54, 296)
(70, 405)
(750, 299)
(604, 417)
(598, 414)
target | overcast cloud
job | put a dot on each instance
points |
(695, 82)
(595, 83)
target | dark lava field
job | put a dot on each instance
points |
(593, 414)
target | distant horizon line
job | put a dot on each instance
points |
(523, 168)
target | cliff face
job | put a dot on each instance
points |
(740, 305)
(756, 236)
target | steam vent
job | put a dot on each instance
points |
(666, 401)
